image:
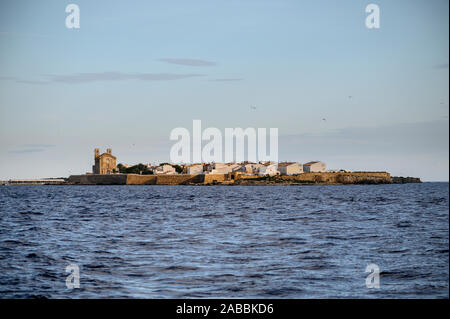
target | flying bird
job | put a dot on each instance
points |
(324, 119)
(252, 107)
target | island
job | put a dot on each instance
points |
(105, 171)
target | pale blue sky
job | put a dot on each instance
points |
(126, 78)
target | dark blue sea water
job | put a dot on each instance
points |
(225, 241)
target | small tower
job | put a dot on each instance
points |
(96, 153)
(109, 151)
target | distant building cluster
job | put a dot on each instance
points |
(106, 164)
(261, 168)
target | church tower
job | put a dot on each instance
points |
(104, 163)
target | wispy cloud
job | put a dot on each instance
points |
(27, 150)
(17, 80)
(188, 62)
(31, 148)
(441, 66)
(78, 78)
(38, 145)
(32, 82)
(407, 138)
(118, 76)
(226, 80)
(8, 78)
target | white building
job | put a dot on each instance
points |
(237, 168)
(314, 167)
(252, 168)
(165, 169)
(219, 168)
(270, 170)
(217, 165)
(196, 169)
(291, 168)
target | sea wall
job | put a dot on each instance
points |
(327, 178)
(341, 178)
(178, 179)
(215, 178)
(316, 178)
(98, 179)
(135, 179)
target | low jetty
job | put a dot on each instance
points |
(326, 178)
(42, 181)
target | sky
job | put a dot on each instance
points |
(353, 97)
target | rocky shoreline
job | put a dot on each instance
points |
(324, 178)
(343, 181)
(405, 180)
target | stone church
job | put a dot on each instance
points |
(104, 163)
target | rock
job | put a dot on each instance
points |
(405, 180)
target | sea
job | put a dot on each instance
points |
(290, 241)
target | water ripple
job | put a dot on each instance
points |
(219, 241)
